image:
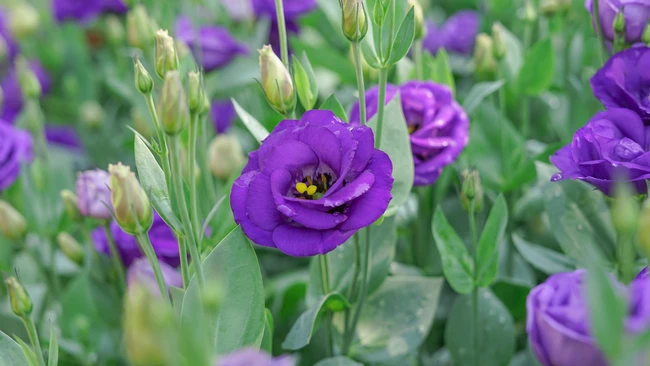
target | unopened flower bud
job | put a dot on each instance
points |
(143, 81)
(21, 304)
(29, 84)
(276, 81)
(70, 247)
(499, 40)
(132, 206)
(619, 23)
(91, 113)
(195, 95)
(530, 14)
(225, 156)
(206, 105)
(471, 191)
(645, 37)
(643, 230)
(23, 20)
(12, 223)
(484, 61)
(114, 30)
(420, 27)
(174, 104)
(140, 30)
(625, 210)
(355, 24)
(70, 203)
(166, 58)
(552, 7)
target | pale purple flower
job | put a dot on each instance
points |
(636, 14)
(140, 271)
(94, 194)
(253, 357)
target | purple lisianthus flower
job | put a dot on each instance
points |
(140, 271)
(456, 35)
(213, 47)
(94, 194)
(635, 12)
(253, 357)
(64, 136)
(85, 10)
(624, 81)
(438, 125)
(613, 145)
(13, 96)
(311, 185)
(16, 148)
(5, 34)
(113, 6)
(162, 238)
(223, 114)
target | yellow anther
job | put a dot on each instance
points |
(301, 187)
(311, 190)
(324, 180)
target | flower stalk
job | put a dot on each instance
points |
(358, 67)
(325, 282)
(282, 31)
(147, 248)
(118, 266)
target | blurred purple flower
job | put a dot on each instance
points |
(5, 34)
(64, 136)
(13, 97)
(636, 13)
(624, 81)
(456, 35)
(439, 127)
(311, 185)
(293, 9)
(238, 9)
(223, 115)
(85, 10)
(253, 357)
(94, 194)
(613, 145)
(140, 271)
(213, 47)
(15, 149)
(113, 6)
(162, 238)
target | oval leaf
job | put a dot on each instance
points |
(338, 361)
(253, 125)
(332, 104)
(479, 92)
(544, 259)
(487, 256)
(403, 39)
(456, 262)
(537, 73)
(10, 352)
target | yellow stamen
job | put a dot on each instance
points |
(311, 190)
(322, 177)
(301, 187)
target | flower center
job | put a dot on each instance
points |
(313, 188)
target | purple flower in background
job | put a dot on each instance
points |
(636, 13)
(253, 357)
(624, 81)
(13, 97)
(612, 146)
(94, 194)
(293, 9)
(64, 136)
(439, 127)
(85, 10)
(456, 35)
(140, 271)
(223, 115)
(5, 34)
(162, 238)
(15, 149)
(238, 9)
(311, 185)
(213, 47)
(113, 6)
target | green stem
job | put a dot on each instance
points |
(177, 177)
(417, 56)
(525, 102)
(599, 31)
(325, 282)
(208, 182)
(56, 284)
(626, 256)
(381, 104)
(347, 337)
(193, 130)
(182, 251)
(358, 67)
(362, 293)
(282, 31)
(33, 338)
(475, 322)
(164, 152)
(502, 123)
(118, 266)
(147, 249)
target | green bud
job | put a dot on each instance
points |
(29, 84)
(645, 37)
(305, 82)
(530, 14)
(70, 247)
(206, 105)
(92, 113)
(552, 7)
(643, 229)
(225, 156)
(619, 23)
(484, 61)
(175, 113)
(379, 13)
(355, 25)
(12, 223)
(140, 30)
(471, 190)
(130, 202)
(625, 210)
(420, 27)
(143, 81)
(195, 95)
(19, 299)
(166, 57)
(499, 41)
(23, 20)
(114, 30)
(276, 81)
(38, 171)
(70, 202)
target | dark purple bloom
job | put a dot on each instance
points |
(223, 114)
(213, 47)
(636, 14)
(15, 149)
(140, 271)
(162, 238)
(5, 34)
(113, 6)
(13, 97)
(438, 125)
(612, 146)
(624, 81)
(64, 136)
(456, 35)
(94, 194)
(311, 185)
(253, 357)
(85, 10)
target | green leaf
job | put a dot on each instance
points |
(53, 352)
(396, 319)
(479, 92)
(267, 339)
(403, 39)
(368, 53)
(232, 266)
(11, 352)
(396, 143)
(544, 259)
(456, 262)
(254, 127)
(28, 353)
(177, 295)
(306, 86)
(441, 70)
(487, 257)
(302, 330)
(332, 104)
(338, 361)
(153, 182)
(537, 73)
(324, 57)
(494, 330)
(514, 56)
